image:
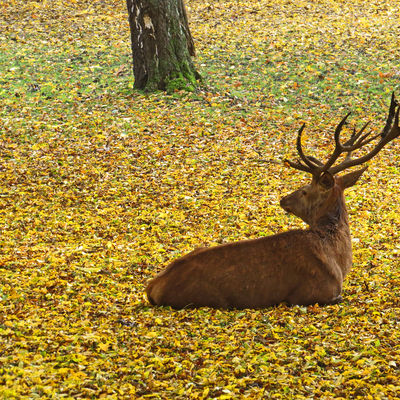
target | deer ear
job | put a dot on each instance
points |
(351, 178)
(326, 180)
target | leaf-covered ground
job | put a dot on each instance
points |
(101, 187)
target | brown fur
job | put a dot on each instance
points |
(297, 267)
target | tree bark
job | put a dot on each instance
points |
(162, 45)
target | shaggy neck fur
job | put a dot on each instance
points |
(334, 215)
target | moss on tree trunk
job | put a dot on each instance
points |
(162, 45)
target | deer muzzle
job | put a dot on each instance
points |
(285, 204)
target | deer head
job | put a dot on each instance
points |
(314, 200)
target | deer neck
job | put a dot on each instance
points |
(333, 219)
(332, 227)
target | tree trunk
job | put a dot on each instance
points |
(162, 45)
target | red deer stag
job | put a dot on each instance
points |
(298, 266)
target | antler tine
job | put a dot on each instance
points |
(339, 148)
(390, 132)
(353, 137)
(298, 165)
(315, 161)
(305, 163)
(309, 161)
(364, 140)
(356, 135)
(392, 110)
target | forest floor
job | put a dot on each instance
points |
(101, 187)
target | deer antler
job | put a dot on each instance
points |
(310, 164)
(357, 141)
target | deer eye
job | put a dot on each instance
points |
(304, 193)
